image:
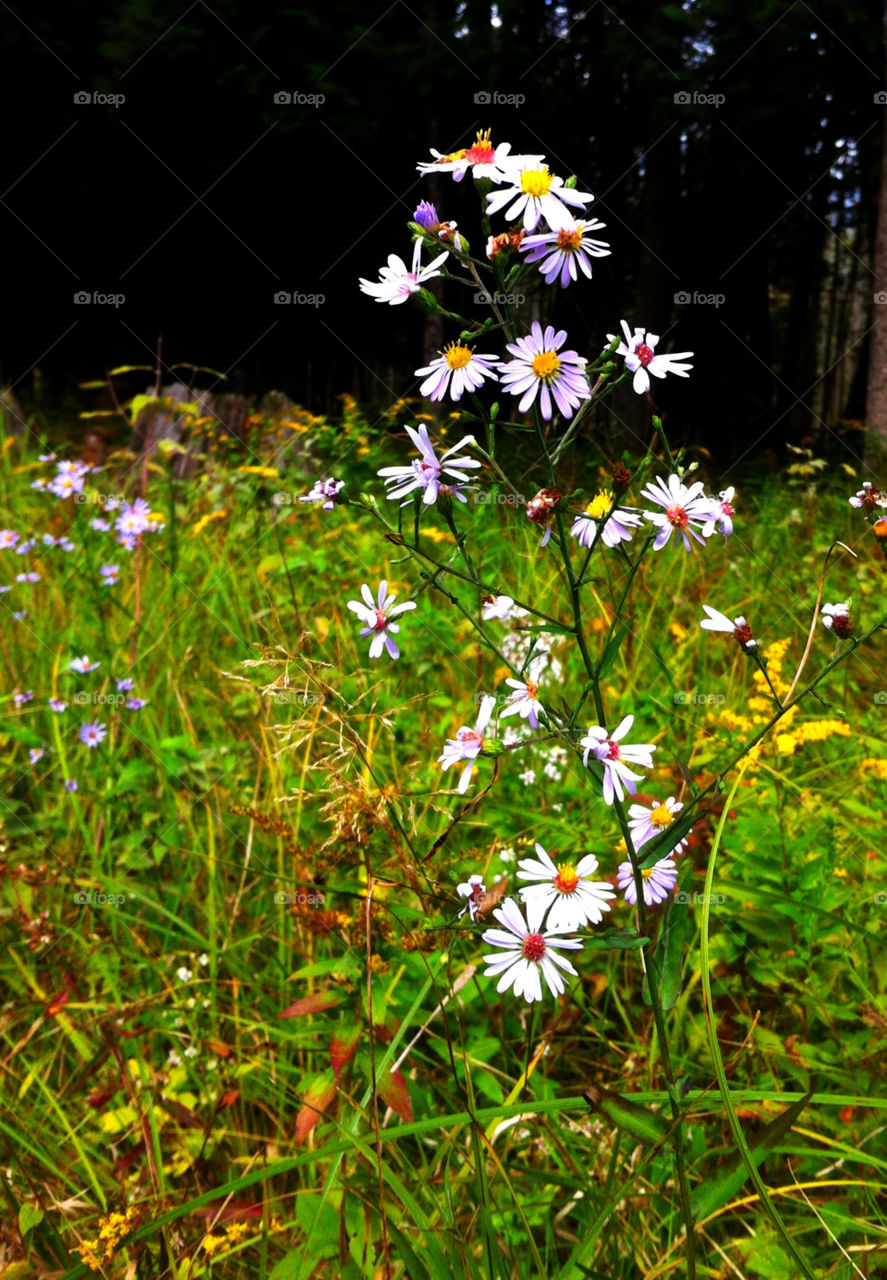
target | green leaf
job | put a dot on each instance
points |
(640, 1123)
(668, 956)
(29, 1217)
(608, 657)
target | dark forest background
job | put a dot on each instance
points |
(199, 197)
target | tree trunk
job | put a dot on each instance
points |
(876, 395)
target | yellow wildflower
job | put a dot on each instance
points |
(205, 520)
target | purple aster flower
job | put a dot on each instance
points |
(619, 522)
(3, 590)
(92, 732)
(646, 823)
(82, 665)
(425, 474)
(686, 511)
(24, 547)
(100, 524)
(523, 702)
(21, 698)
(8, 538)
(27, 577)
(468, 744)
(20, 615)
(71, 785)
(613, 754)
(538, 369)
(136, 704)
(57, 705)
(35, 754)
(326, 492)
(558, 252)
(125, 685)
(426, 216)
(458, 369)
(65, 543)
(133, 519)
(377, 615)
(110, 572)
(722, 513)
(659, 881)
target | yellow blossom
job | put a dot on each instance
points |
(270, 473)
(877, 767)
(205, 520)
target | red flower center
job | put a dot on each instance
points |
(678, 517)
(612, 750)
(727, 509)
(742, 634)
(381, 621)
(533, 947)
(644, 353)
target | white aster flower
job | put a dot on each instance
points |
(458, 369)
(722, 513)
(565, 892)
(524, 702)
(485, 160)
(868, 497)
(557, 252)
(613, 754)
(534, 192)
(716, 621)
(528, 777)
(426, 472)
(687, 510)
(498, 607)
(530, 954)
(396, 283)
(467, 744)
(474, 890)
(837, 617)
(376, 616)
(641, 359)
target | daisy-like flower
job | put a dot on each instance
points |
(722, 513)
(618, 525)
(396, 283)
(27, 577)
(65, 543)
(523, 702)
(739, 628)
(82, 665)
(71, 785)
(100, 524)
(35, 754)
(326, 492)
(836, 617)
(644, 823)
(528, 777)
(498, 607)
(540, 368)
(558, 252)
(135, 704)
(867, 498)
(109, 572)
(639, 350)
(485, 160)
(534, 192)
(56, 704)
(458, 369)
(687, 510)
(467, 744)
(565, 891)
(474, 890)
(133, 519)
(530, 954)
(21, 698)
(20, 615)
(425, 473)
(540, 511)
(613, 755)
(376, 615)
(92, 732)
(24, 547)
(8, 538)
(659, 881)
(125, 685)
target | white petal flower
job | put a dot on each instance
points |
(717, 621)
(467, 744)
(474, 890)
(396, 283)
(529, 955)
(613, 754)
(566, 893)
(638, 348)
(376, 616)
(426, 472)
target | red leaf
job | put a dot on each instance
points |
(394, 1093)
(227, 1099)
(315, 1100)
(342, 1050)
(127, 1161)
(99, 1097)
(57, 1003)
(309, 1004)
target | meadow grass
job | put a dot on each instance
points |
(238, 1002)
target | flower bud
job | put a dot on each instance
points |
(493, 747)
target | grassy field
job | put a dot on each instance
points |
(243, 1031)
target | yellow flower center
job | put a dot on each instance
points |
(566, 879)
(456, 155)
(600, 505)
(546, 365)
(646, 872)
(457, 356)
(569, 241)
(662, 816)
(536, 182)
